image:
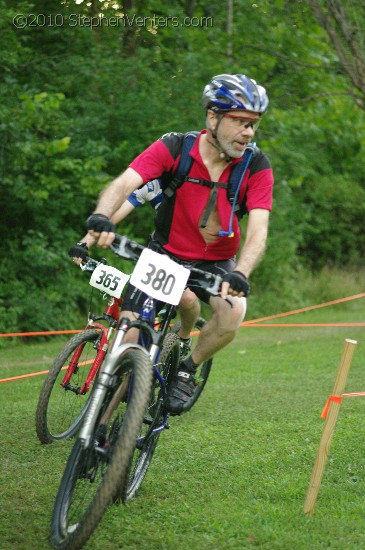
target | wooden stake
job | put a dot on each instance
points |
(328, 428)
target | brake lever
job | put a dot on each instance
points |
(88, 266)
(215, 289)
(91, 264)
(122, 247)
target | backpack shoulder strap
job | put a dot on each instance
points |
(184, 166)
(236, 178)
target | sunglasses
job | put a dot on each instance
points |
(243, 122)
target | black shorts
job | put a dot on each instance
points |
(134, 298)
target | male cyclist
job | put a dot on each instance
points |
(195, 225)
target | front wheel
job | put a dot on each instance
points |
(61, 407)
(93, 473)
(154, 420)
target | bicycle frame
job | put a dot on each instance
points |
(111, 316)
(155, 338)
(151, 336)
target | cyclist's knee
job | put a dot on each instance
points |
(241, 308)
(229, 313)
(189, 300)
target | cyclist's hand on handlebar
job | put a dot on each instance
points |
(235, 284)
(79, 253)
(102, 229)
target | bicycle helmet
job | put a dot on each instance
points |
(226, 92)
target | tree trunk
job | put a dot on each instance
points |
(347, 36)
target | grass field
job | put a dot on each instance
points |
(231, 474)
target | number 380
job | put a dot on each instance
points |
(159, 280)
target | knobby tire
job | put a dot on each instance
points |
(90, 479)
(154, 417)
(60, 411)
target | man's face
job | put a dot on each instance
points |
(235, 130)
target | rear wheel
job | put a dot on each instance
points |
(154, 421)
(201, 378)
(92, 474)
(202, 373)
(61, 407)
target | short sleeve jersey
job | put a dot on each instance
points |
(177, 221)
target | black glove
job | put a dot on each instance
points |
(238, 282)
(80, 250)
(100, 223)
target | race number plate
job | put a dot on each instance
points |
(108, 279)
(160, 277)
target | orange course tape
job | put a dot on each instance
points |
(338, 399)
(309, 308)
(82, 364)
(245, 324)
(335, 399)
(253, 322)
(39, 333)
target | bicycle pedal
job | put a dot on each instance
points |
(101, 450)
(200, 322)
(140, 443)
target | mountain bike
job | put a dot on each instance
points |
(66, 391)
(126, 415)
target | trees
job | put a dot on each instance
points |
(344, 24)
(86, 86)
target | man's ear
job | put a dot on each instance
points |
(211, 120)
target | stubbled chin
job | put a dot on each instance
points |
(239, 149)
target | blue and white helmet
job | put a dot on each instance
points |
(226, 92)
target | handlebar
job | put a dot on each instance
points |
(123, 247)
(203, 279)
(126, 248)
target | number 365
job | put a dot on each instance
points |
(108, 281)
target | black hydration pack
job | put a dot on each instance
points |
(235, 179)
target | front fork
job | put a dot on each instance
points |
(74, 362)
(105, 378)
(104, 382)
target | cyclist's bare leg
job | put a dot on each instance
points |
(131, 336)
(221, 328)
(189, 308)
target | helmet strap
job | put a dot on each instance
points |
(217, 144)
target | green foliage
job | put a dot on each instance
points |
(78, 103)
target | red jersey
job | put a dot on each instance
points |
(177, 221)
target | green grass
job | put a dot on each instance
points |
(234, 472)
